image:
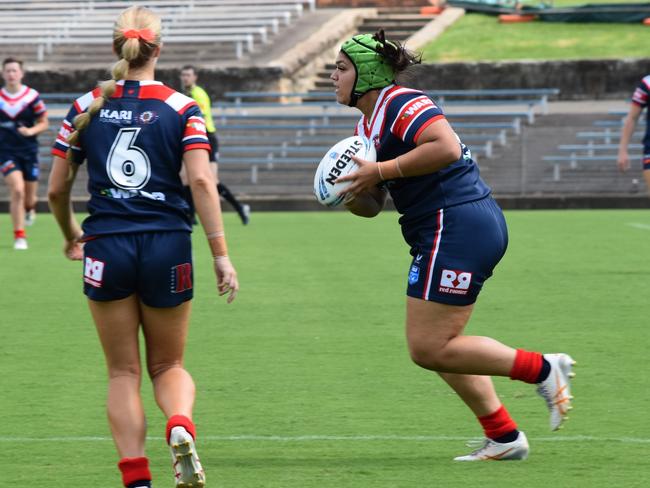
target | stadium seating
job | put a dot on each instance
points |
(272, 147)
(59, 33)
(598, 153)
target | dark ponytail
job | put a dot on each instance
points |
(397, 56)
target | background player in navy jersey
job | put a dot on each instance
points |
(457, 235)
(22, 117)
(134, 134)
(191, 89)
(640, 100)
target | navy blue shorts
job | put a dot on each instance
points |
(157, 266)
(26, 162)
(455, 251)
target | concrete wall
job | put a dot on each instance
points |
(577, 80)
(216, 81)
(372, 3)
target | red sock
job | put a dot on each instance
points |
(527, 366)
(20, 234)
(497, 424)
(134, 469)
(180, 421)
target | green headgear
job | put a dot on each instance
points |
(373, 71)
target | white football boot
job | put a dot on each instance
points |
(30, 217)
(490, 450)
(20, 244)
(187, 467)
(555, 389)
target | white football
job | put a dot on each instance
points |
(338, 162)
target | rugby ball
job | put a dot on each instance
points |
(338, 162)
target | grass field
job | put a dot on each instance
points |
(478, 37)
(305, 382)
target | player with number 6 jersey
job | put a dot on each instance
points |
(134, 133)
(457, 235)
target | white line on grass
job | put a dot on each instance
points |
(354, 438)
(638, 225)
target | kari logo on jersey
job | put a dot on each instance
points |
(115, 116)
(455, 282)
(181, 279)
(94, 272)
(148, 117)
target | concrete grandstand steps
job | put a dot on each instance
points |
(398, 23)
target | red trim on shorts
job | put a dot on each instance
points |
(59, 153)
(433, 255)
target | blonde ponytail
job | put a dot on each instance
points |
(136, 36)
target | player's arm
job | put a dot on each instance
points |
(437, 146)
(626, 135)
(368, 203)
(41, 125)
(60, 184)
(208, 208)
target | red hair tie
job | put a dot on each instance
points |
(146, 35)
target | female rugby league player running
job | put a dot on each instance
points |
(22, 117)
(457, 235)
(135, 133)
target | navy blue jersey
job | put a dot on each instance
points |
(399, 118)
(641, 97)
(20, 109)
(134, 147)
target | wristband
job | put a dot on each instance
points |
(399, 169)
(389, 170)
(381, 176)
(214, 235)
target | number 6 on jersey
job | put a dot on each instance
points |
(128, 165)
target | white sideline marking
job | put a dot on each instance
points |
(356, 438)
(638, 225)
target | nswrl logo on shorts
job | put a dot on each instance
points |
(455, 282)
(414, 272)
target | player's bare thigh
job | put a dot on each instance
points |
(431, 325)
(165, 332)
(118, 323)
(16, 182)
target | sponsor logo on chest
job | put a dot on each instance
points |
(115, 116)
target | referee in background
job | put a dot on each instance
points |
(191, 89)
